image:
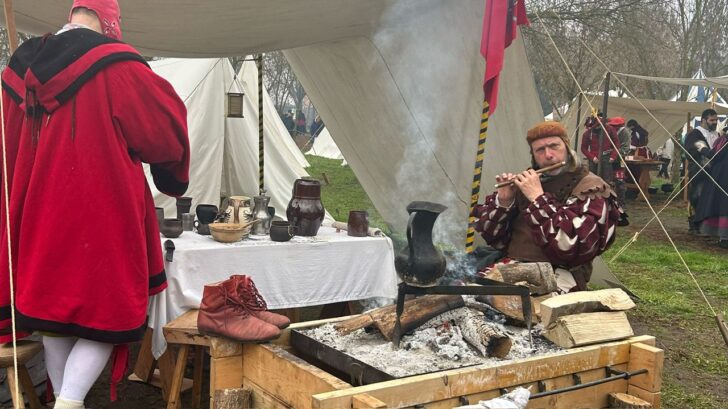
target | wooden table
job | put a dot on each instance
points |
(643, 166)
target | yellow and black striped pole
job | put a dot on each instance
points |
(477, 173)
(261, 150)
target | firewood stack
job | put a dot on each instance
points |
(587, 317)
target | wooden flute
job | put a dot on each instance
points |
(539, 171)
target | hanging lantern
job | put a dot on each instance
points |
(235, 105)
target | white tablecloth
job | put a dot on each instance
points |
(331, 267)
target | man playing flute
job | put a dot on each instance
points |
(566, 217)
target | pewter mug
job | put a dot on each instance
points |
(188, 221)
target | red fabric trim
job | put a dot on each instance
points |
(14, 82)
(47, 92)
(119, 366)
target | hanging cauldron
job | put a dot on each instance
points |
(421, 264)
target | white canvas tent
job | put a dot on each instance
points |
(398, 87)
(325, 147)
(224, 151)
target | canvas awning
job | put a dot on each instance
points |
(671, 114)
(717, 82)
(215, 28)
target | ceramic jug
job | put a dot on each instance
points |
(421, 264)
(305, 210)
(260, 212)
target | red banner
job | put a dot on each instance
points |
(500, 21)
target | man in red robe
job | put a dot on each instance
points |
(82, 111)
(566, 218)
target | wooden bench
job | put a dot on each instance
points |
(25, 351)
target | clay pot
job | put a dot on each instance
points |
(281, 231)
(171, 228)
(206, 213)
(305, 210)
(358, 223)
(160, 216)
(183, 206)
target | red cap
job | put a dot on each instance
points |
(616, 121)
(108, 12)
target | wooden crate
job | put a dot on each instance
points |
(279, 379)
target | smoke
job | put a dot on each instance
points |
(435, 112)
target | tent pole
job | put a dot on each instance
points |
(685, 163)
(578, 123)
(261, 150)
(604, 111)
(10, 23)
(477, 173)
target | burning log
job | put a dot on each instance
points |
(484, 336)
(510, 306)
(416, 312)
(538, 277)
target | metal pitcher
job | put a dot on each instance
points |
(260, 212)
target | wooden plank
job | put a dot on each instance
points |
(260, 399)
(611, 299)
(654, 398)
(145, 362)
(173, 399)
(166, 370)
(467, 381)
(647, 357)
(588, 328)
(197, 377)
(183, 330)
(366, 401)
(285, 376)
(221, 347)
(226, 373)
(10, 25)
(285, 338)
(16, 393)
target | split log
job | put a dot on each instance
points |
(233, 398)
(484, 336)
(624, 401)
(416, 312)
(538, 277)
(536, 302)
(612, 299)
(589, 328)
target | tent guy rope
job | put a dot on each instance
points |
(13, 43)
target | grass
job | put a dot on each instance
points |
(671, 307)
(343, 192)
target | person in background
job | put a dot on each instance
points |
(301, 122)
(566, 217)
(606, 153)
(664, 153)
(288, 122)
(624, 136)
(639, 134)
(316, 126)
(712, 211)
(699, 148)
(83, 110)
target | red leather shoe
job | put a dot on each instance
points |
(222, 314)
(256, 305)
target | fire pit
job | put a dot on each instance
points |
(280, 376)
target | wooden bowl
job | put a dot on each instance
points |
(229, 232)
